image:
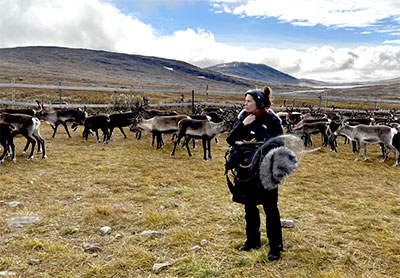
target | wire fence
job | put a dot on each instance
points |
(321, 94)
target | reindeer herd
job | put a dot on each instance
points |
(356, 127)
(26, 122)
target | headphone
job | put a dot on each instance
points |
(258, 97)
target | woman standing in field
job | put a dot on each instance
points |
(257, 123)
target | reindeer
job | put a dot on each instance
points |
(307, 127)
(27, 111)
(30, 112)
(28, 126)
(148, 114)
(293, 118)
(7, 133)
(363, 120)
(62, 116)
(121, 120)
(210, 116)
(93, 123)
(158, 125)
(369, 135)
(199, 129)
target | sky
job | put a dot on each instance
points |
(327, 40)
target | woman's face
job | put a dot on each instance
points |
(250, 104)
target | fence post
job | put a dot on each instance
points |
(60, 93)
(193, 101)
(326, 99)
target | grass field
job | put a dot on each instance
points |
(347, 213)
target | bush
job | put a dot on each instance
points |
(125, 102)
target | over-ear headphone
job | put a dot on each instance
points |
(258, 96)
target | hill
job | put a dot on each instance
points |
(91, 67)
(259, 72)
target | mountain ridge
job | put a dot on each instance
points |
(84, 66)
(260, 72)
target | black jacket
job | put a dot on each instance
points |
(266, 126)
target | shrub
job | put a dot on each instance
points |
(125, 102)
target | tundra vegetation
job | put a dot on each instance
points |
(346, 213)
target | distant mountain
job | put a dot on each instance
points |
(46, 65)
(258, 72)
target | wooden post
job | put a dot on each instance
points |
(60, 93)
(193, 101)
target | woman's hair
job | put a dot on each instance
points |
(267, 94)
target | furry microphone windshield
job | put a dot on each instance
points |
(276, 165)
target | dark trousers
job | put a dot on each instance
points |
(273, 223)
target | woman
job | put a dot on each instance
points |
(258, 123)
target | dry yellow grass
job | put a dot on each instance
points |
(347, 213)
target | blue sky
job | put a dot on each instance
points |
(328, 40)
(255, 32)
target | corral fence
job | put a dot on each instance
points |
(321, 94)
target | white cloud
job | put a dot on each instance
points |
(332, 13)
(100, 25)
(392, 42)
(74, 23)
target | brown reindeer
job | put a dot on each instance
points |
(121, 120)
(199, 129)
(94, 123)
(306, 128)
(57, 116)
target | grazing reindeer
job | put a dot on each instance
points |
(121, 120)
(200, 129)
(28, 126)
(62, 116)
(158, 125)
(93, 123)
(369, 135)
(7, 133)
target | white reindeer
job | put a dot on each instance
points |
(370, 135)
(158, 125)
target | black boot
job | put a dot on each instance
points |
(252, 242)
(249, 246)
(274, 255)
(275, 252)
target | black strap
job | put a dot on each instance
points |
(230, 185)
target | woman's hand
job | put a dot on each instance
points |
(249, 119)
